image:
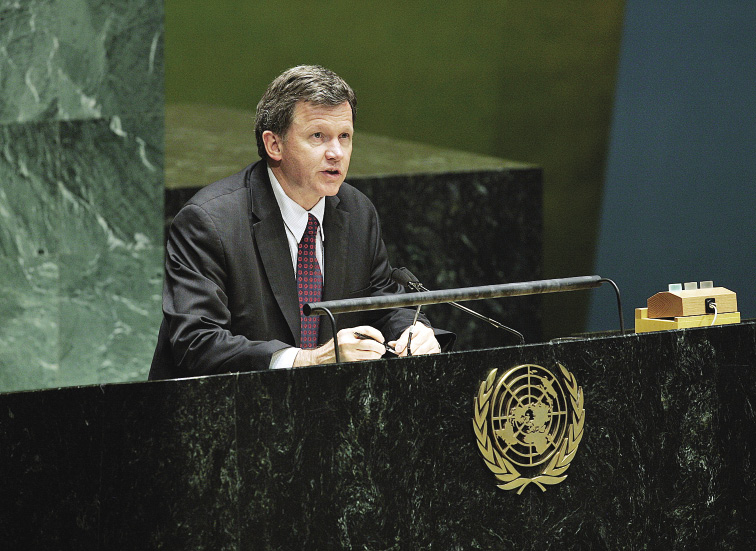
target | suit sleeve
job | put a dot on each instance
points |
(195, 303)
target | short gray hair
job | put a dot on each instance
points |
(310, 83)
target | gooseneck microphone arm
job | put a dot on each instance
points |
(619, 302)
(406, 278)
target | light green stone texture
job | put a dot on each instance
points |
(80, 59)
(29, 266)
(111, 241)
(81, 190)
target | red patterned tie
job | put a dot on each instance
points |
(309, 283)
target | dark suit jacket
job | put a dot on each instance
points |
(230, 296)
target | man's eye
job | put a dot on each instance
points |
(317, 135)
(345, 136)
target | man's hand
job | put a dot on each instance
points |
(423, 341)
(351, 348)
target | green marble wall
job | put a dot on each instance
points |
(81, 190)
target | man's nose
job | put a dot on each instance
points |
(334, 151)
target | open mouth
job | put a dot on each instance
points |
(332, 171)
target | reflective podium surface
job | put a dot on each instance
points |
(384, 455)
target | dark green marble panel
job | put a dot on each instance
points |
(382, 455)
(111, 256)
(55, 441)
(463, 229)
(156, 499)
(350, 467)
(80, 59)
(29, 259)
(659, 460)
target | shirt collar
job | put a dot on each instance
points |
(294, 216)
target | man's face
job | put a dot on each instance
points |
(313, 157)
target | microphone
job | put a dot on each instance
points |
(405, 278)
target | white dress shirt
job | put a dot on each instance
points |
(295, 220)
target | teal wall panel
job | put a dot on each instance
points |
(81, 202)
(680, 196)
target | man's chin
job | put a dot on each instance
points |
(329, 189)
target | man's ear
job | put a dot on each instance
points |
(273, 144)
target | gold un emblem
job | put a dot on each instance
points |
(528, 425)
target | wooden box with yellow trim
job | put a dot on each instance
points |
(682, 309)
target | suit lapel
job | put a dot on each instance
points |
(270, 237)
(336, 230)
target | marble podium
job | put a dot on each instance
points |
(382, 455)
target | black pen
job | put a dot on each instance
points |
(409, 337)
(364, 337)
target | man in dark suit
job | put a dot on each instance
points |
(231, 300)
